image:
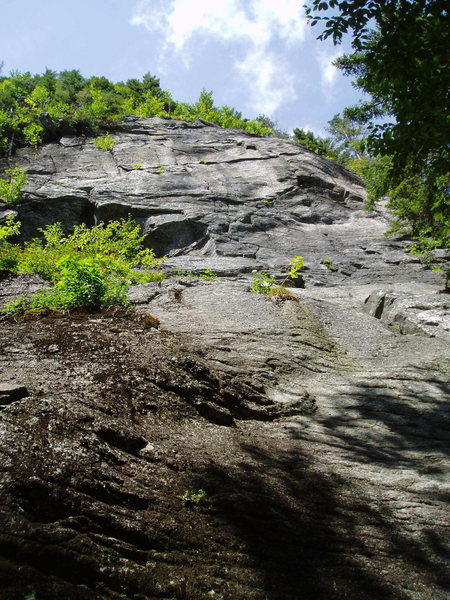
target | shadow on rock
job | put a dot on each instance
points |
(303, 531)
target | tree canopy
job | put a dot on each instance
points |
(343, 145)
(322, 146)
(403, 64)
(401, 60)
(37, 108)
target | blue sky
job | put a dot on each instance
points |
(256, 55)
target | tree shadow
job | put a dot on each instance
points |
(315, 533)
(395, 428)
(299, 533)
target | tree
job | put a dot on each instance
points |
(403, 63)
(272, 126)
(151, 84)
(401, 59)
(43, 107)
(321, 146)
(347, 135)
(68, 84)
(344, 145)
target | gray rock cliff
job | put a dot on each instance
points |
(317, 426)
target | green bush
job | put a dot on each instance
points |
(266, 284)
(11, 186)
(105, 142)
(68, 100)
(262, 283)
(81, 283)
(9, 228)
(195, 497)
(8, 252)
(208, 275)
(295, 266)
(90, 268)
(329, 264)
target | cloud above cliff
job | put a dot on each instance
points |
(258, 56)
(325, 59)
(256, 38)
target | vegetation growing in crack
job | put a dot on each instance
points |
(105, 142)
(206, 274)
(263, 283)
(90, 269)
(296, 265)
(329, 264)
(194, 497)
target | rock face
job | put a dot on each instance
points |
(421, 314)
(318, 427)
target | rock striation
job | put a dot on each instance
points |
(317, 426)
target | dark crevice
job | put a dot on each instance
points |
(127, 443)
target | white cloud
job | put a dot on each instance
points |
(255, 26)
(270, 83)
(316, 130)
(327, 69)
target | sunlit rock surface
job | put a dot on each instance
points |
(318, 427)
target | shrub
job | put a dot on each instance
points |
(105, 142)
(81, 283)
(151, 105)
(9, 228)
(194, 497)
(11, 187)
(208, 275)
(329, 264)
(266, 284)
(9, 252)
(296, 265)
(178, 272)
(91, 268)
(262, 283)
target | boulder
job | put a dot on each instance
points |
(422, 314)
